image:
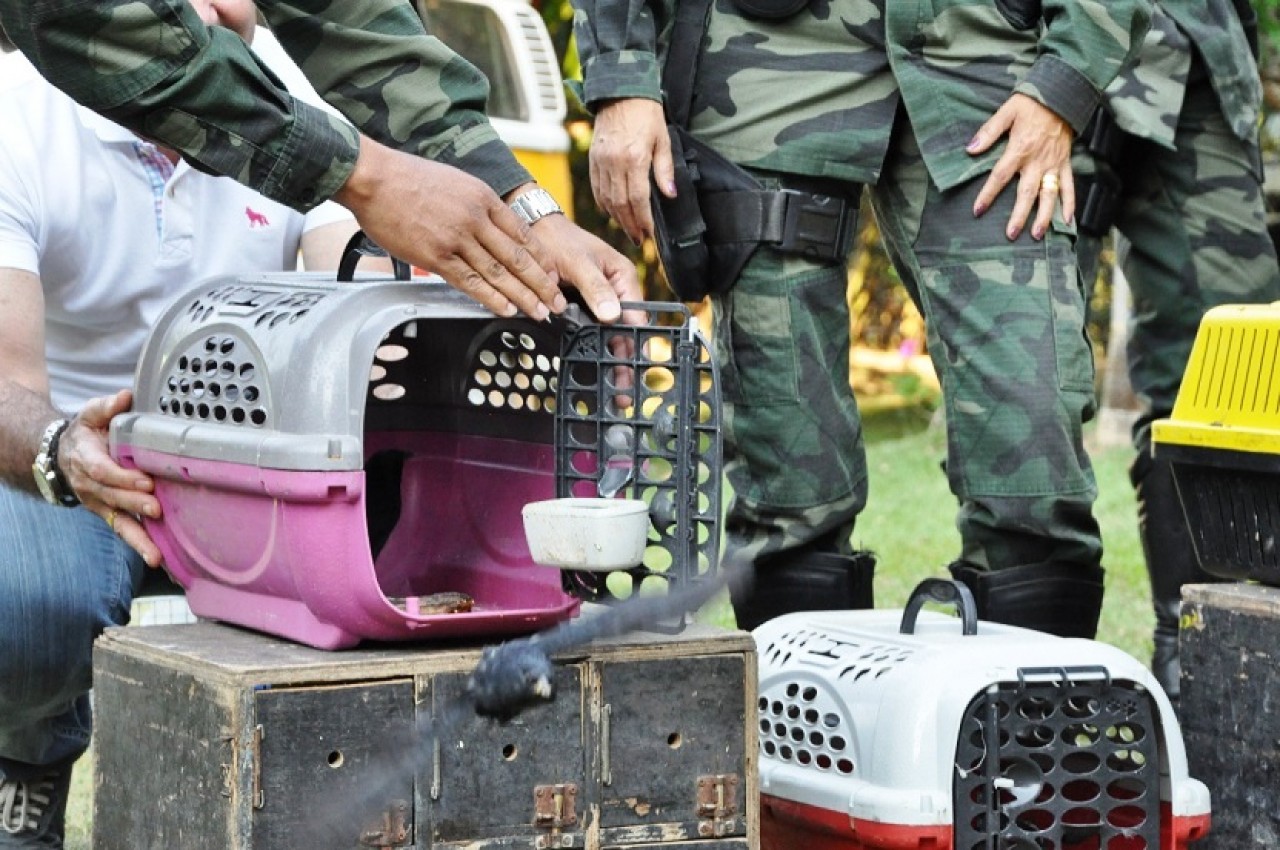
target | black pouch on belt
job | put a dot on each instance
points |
(694, 266)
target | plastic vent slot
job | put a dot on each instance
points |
(1064, 759)
(216, 379)
(852, 662)
(802, 723)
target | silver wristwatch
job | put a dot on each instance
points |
(49, 481)
(534, 205)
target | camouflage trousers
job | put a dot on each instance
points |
(1006, 333)
(1193, 228)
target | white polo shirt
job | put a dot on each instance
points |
(79, 210)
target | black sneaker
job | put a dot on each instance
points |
(33, 812)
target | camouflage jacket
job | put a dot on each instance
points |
(777, 95)
(154, 67)
(1146, 99)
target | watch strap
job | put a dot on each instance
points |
(534, 205)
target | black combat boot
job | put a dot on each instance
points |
(33, 812)
(1171, 562)
(1061, 599)
(806, 580)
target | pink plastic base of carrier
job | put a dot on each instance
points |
(287, 552)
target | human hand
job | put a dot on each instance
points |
(1038, 153)
(603, 276)
(442, 219)
(118, 495)
(629, 142)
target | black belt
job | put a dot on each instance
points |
(792, 220)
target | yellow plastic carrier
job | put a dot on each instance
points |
(1223, 441)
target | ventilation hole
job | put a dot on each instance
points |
(509, 752)
(675, 741)
(522, 381)
(483, 377)
(780, 730)
(1034, 736)
(251, 393)
(769, 747)
(763, 703)
(227, 345)
(1080, 791)
(502, 379)
(764, 727)
(515, 401)
(1035, 708)
(476, 397)
(776, 708)
(1127, 761)
(188, 408)
(247, 371)
(1080, 763)
(220, 413)
(797, 735)
(785, 752)
(507, 359)
(197, 389)
(172, 383)
(232, 392)
(1080, 707)
(1035, 820)
(508, 339)
(202, 410)
(816, 739)
(1126, 789)
(525, 361)
(227, 369)
(830, 720)
(495, 398)
(385, 392)
(214, 389)
(527, 343)
(1081, 735)
(793, 712)
(197, 366)
(1125, 733)
(391, 353)
(837, 743)
(824, 761)
(335, 759)
(237, 415)
(211, 365)
(210, 344)
(811, 716)
(844, 766)
(377, 372)
(534, 402)
(803, 757)
(258, 416)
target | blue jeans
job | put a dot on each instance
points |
(64, 577)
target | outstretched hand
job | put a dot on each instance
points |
(629, 143)
(122, 497)
(1038, 154)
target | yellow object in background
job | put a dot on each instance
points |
(1230, 393)
(508, 41)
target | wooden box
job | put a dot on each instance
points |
(210, 738)
(1230, 709)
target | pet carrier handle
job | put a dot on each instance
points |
(359, 246)
(945, 592)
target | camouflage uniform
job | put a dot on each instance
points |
(158, 70)
(1192, 217)
(888, 93)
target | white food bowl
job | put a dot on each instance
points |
(587, 534)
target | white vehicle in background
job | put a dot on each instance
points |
(509, 43)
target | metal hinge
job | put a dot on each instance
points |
(554, 808)
(394, 829)
(259, 799)
(717, 804)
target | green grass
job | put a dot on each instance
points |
(910, 525)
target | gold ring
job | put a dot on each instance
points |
(111, 519)
(1049, 182)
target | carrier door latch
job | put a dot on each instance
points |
(554, 808)
(717, 804)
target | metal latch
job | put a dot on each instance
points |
(394, 829)
(554, 808)
(717, 804)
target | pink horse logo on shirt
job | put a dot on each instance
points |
(256, 219)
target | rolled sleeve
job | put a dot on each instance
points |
(1063, 89)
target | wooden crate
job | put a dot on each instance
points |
(1230, 709)
(210, 738)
